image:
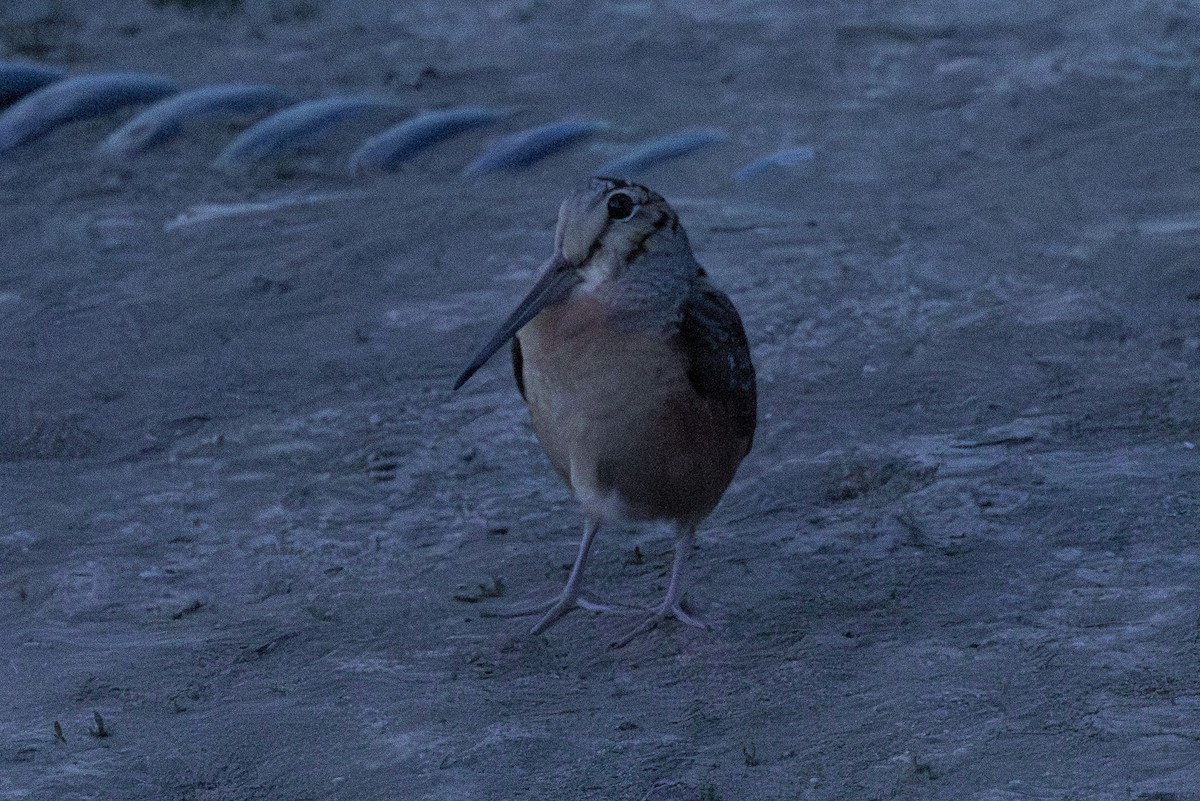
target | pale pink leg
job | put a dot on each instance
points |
(572, 596)
(671, 605)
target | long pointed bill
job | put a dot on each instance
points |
(557, 281)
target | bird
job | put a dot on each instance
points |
(638, 377)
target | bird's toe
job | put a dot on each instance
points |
(559, 607)
(657, 616)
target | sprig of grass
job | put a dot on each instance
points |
(99, 730)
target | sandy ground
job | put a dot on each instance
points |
(244, 520)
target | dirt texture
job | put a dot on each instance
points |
(248, 535)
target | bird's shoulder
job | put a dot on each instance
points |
(713, 340)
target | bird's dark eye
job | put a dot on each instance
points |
(620, 206)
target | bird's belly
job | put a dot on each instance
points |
(621, 424)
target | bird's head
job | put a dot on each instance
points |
(603, 233)
(604, 229)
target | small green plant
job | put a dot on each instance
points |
(100, 730)
(493, 590)
(319, 614)
(926, 769)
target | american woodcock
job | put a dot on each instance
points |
(638, 378)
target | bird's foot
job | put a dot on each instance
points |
(554, 610)
(658, 615)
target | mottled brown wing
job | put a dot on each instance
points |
(518, 366)
(714, 340)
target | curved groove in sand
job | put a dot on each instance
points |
(18, 79)
(78, 98)
(387, 150)
(528, 147)
(295, 127)
(780, 159)
(166, 119)
(655, 151)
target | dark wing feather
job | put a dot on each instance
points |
(518, 364)
(719, 366)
